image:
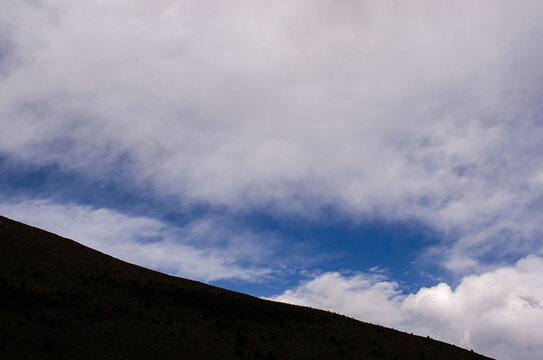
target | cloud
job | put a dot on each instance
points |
(206, 249)
(420, 111)
(366, 296)
(498, 313)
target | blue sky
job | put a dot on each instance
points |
(371, 245)
(378, 159)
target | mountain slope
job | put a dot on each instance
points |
(62, 300)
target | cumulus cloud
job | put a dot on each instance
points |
(367, 296)
(498, 313)
(204, 249)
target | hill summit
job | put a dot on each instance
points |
(62, 300)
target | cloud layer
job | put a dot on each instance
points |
(373, 108)
(498, 313)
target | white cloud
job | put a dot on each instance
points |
(423, 110)
(498, 313)
(205, 249)
(368, 297)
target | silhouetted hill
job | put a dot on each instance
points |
(62, 300)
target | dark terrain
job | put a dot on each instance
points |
(62, 300)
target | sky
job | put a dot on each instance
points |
(380, 159)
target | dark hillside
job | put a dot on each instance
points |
(62, 300)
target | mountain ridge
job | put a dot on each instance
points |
(63, 300)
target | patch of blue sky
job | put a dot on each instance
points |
(53, 182)
(307, 246)
(393, 249)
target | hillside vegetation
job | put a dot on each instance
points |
(62, 300)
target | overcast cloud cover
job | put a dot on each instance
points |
(426, 112)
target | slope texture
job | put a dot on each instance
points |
(61, 300)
